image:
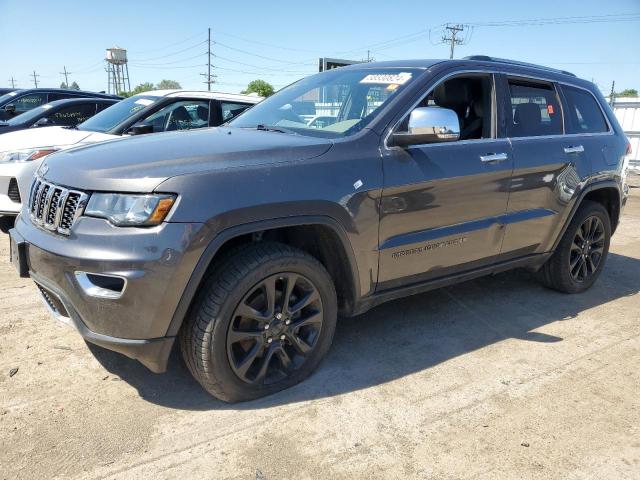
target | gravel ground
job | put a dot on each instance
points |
(495, 378)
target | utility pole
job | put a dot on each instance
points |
(13, 82)
(210, 78)
(66, 78)
(452, 38)
(35, 79)
(612, 96)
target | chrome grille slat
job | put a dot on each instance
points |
(55, 208)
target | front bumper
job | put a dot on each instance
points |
(23, 173)
(156, 264)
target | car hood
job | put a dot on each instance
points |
(48, 137)
(139, 164)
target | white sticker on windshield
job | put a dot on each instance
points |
(387, 78)
(144, 101)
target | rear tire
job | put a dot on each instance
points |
(582, 251)
(262, 322)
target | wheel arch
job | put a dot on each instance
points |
(321, 236)
(605, 192)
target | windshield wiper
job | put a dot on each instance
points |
(269, 128)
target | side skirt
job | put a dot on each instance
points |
(532, 262)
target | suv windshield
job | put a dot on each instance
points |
(112, 116)
(333, 104)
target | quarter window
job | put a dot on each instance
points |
(583, 115)
(535, 110)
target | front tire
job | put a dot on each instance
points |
(581, 253)
(6, 223)
(262, 322)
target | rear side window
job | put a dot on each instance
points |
(535, 110)
(584, 115)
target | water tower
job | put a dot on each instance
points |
(117, 70)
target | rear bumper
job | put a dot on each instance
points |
(154, 263)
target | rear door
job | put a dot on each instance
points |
(442, 203)
(546, 170)
(227, 110)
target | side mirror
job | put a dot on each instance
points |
(11, 108)
(43, 122)
(140, 129)
(429, 125)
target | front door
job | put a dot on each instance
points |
(443, 204)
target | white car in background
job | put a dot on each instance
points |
(150, 112)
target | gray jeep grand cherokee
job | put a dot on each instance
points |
(342, 191)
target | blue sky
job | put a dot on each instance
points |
(280, 41)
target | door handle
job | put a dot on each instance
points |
(574, 149)
(494, 157)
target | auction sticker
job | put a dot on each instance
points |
(387, 78)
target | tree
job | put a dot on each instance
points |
(74, 86)
(629, 92)
(168, 85)
(262, 88)
(63, 85)
(143, 87)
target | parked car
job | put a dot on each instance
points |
(64, 113)
(17, 102)
(157, 111)
(244, 242)
(4, 91)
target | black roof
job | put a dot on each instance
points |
(471, 61)
(71, 101)
(67, 90)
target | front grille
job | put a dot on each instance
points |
(55, 208)
(55, 304)
(14, 192)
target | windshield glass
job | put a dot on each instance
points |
(112, 116)
(29, 116)
(331, 104)
(7, 97)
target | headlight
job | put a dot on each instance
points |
(25, 155)
(128, 210)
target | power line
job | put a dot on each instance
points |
(143, 60)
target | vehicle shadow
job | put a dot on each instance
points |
(404, 336)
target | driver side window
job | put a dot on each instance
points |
(184, 115)
(470, 98)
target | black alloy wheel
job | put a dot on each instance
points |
(587, 249)
(274, 328)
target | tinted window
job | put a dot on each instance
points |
(185, 115)
(535, 110)
(72, 115)
(104, 106)
(230, 110)
(62, 96)
(584, 114)
(27, 102)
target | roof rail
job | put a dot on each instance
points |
(486, 58)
